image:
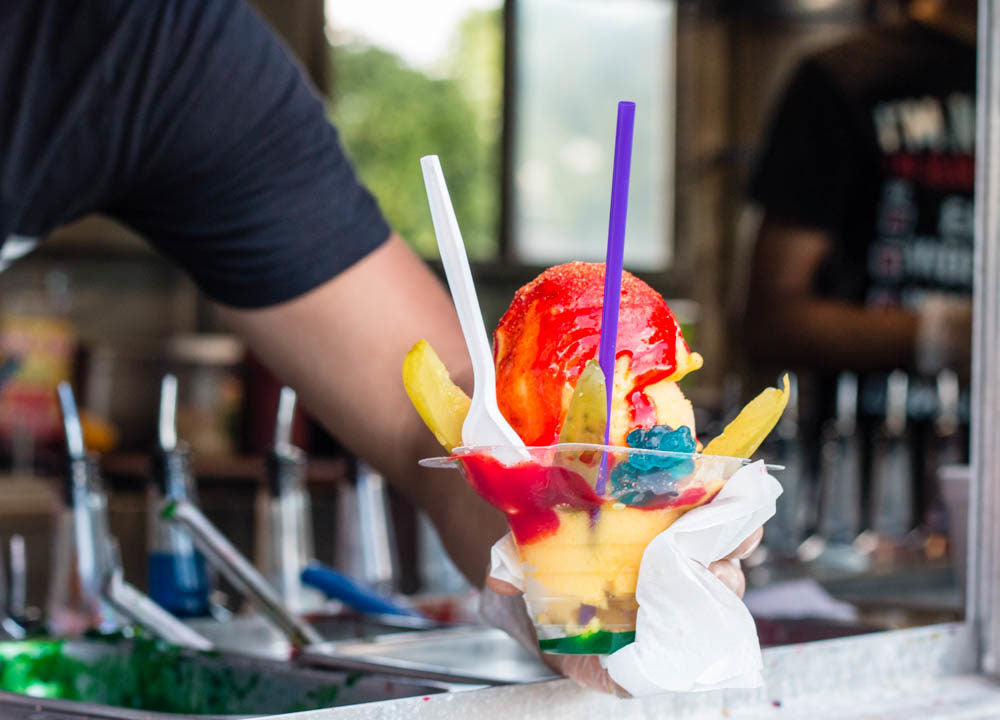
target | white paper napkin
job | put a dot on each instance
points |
(692, 632)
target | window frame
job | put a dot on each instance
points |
(983, 588)
(506, 269)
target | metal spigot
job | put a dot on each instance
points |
(177, 577)
(366, 547)
(82, 551)
(892, 467)
(840, 468)
(951, 449)
(286, 463)
(289, 513)
(238, 570)
(171, 462)
(840, 487)
(378, 546)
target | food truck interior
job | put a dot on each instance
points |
(804, 192)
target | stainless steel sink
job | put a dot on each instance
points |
(122, 678)
(255, 635)
(478, 652)
(473, 654)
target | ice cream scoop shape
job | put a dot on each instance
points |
(552, 329)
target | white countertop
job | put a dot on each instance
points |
(919, 673)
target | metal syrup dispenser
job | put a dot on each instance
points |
(289, 514)
(840, 468)
(366, 543)
(178, 581)
(82, 551)
(784, 532)
(948, 448)
(892, 465)
(951, 449)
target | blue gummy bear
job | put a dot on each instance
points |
(645, 477)
(680, 440)
(660, 437)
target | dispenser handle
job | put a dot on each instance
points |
(167, 425)
(284, 419)
(141, 610)
(338, 586)
(238, 570)
(71, 423)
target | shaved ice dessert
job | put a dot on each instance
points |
(581, 512)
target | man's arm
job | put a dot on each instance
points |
(341, 346)
(788, 323)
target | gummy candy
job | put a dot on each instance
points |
(645, 477)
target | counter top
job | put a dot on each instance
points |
(967, 696)
(923, 672)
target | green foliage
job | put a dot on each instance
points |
(390, 115)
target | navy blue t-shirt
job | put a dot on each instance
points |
(873, 142)
(188, 121)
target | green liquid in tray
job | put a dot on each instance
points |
(599, 642)
(152, 676)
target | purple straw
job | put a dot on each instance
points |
(614, 261)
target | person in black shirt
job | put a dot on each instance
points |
(863, 260)
(190, 122)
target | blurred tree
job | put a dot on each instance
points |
(390, 114)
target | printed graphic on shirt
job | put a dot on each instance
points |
(924, 221)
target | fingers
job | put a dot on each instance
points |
(501, 587)
(731, 575)
(745, 548)
(728, 569)
(586, 671)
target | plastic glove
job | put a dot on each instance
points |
(502, 606)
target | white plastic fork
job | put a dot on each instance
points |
(484, 425)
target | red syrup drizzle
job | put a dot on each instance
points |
(691, 496)
(528, 493)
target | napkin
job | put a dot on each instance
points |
(692, 632)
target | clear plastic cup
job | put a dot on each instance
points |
(581, 550)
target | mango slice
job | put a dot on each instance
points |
(441, 403)
(587, 414)
(747, 431)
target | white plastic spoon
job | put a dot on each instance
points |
(484, 425)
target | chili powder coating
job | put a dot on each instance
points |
(551, 330)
